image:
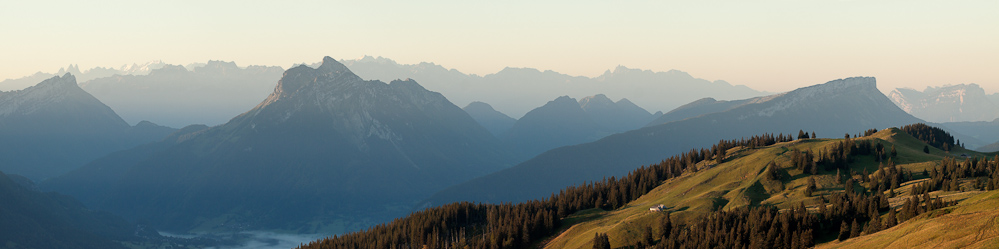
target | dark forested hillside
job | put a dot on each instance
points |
(31, 219)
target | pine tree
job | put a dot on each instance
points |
(667, 226)
(601, 241)
(844, 230)
(813, 135)
(891, 220)
(648, 236)
(807, 238)
(810, 187)
(839, 177)
(854, 229)
(926, 149)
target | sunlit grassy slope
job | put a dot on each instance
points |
(970, 224)
(737, 182)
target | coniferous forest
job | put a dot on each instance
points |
(861, 208)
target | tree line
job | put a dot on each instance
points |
(468, 225)
(856, 211)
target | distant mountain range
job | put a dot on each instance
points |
(177, 96)
(172, 95)
(845, 106)
(505, 90)
(565, 121)
(701, 107)
(212, 93)
(55, 126)
(326, 151)
(982, 131)
(989, 148)
(496, 122)
(81, 76)
(952, 103)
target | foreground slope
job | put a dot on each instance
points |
(740, 182)
(326, 151)
(759, 192)
(53, 127)
(831, 110)
(969, 224)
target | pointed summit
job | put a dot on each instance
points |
(595, 101)
(333, 66)
(317, 81)
(496, 122)
(66, 80)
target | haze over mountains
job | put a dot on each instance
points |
(951, 103)
(494, 121)
(55, 126)
(566, 121)
(82, 76)
(176, 96)
(326, 148)
(329, 152)
(505, 90)
(831, 110)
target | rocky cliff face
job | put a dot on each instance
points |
(954, 103)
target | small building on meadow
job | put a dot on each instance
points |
(657, 208)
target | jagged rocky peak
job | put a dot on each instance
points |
(594, 101)
(218, 67)
(168, 70)
(302, 76)
(563, 100)
(333, 67)
(66, 80)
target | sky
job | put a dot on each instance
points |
(767, 45)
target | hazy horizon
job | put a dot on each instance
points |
(773, 46)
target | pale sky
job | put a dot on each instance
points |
(767, 45)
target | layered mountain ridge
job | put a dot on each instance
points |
(177, 96)
(566, 121)
(952, 103)
(55, 126)
(844, 106)
(325, 146)
(502, 90)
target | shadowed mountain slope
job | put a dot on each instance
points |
(831, 110)
(325, 147)
(53, 127)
